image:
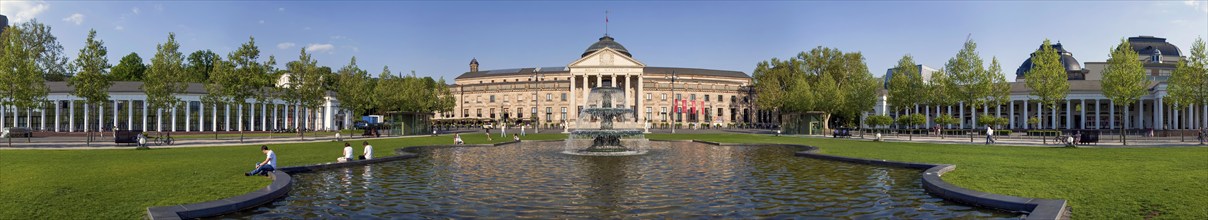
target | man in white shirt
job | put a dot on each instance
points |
(347, 153)
(268, 165)
(989, 135)
(368, 154)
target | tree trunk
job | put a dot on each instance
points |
(825, 122)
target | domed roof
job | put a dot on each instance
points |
(1067, 61)
(1147, 45)
(608, 42)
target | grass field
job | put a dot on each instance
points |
(1129, 183)
(1166, 183)
(121, 184)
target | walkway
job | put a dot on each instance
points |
(1133, 141)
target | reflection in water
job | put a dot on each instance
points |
(673, 180)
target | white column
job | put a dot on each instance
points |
(1082, 125)
(642, 99)
(1069, 114)
(275, 118)
(214, 117)
(57, 115)
(296, 119)
(1204, 115)
(1098, 115)
(42, 120)
(70, 115)
(1141, 113)
(114, 115)
(1011, 114)
(949, 113)
(1111, 114)
(1160, 122)
(85, 116)
(201, 116)
(263, 116)
(3, 110)
(145, 115)
(227, 117)
(159, 119)
(130, 114)
(239, 119)
(173, 126)
(188, 115)
(573, 100)
(1025, 114)
(961, 106)
(327, 114)
(1174, 122)
(1040, 115)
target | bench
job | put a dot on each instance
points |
(126, 136)
(842, 132)
(1089, 137)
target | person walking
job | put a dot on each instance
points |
(989, 135)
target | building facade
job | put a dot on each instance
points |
(1085, 107)
(553, 96)
(127, 110)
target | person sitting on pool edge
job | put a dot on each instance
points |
(368, 154)
(347, 154)
(268, 165)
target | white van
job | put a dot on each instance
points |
(15, 132)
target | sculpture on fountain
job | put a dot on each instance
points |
(616, 133)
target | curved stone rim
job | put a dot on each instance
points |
(932, 183)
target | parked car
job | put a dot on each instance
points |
(15, 132)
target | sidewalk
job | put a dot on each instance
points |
(1133, 141)
(19, 143)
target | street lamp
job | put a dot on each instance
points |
(674, 101)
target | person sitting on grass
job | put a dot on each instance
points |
(347, 154)
(457, 139)
(268, 165)
(368, 154)
(515, 137)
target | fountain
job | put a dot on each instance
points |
(617, 133)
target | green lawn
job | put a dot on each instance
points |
(1130, 183)
(121, 184)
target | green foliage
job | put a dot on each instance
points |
(201, 65)
(910, 120)
(968, 80)
(945, 119)
(992, 121)
(91, 82)
(939, 90)
(904, 84)
(1124, 80)
(130, 68)
(25, 84)
(241, 78)
(1188, 84)
(1000, 89)
(354, 88)
(1033, 121)
(878, 120)
(305, 85)
(1047, 78)
(45, 50)
(165, 79)
(839, 84)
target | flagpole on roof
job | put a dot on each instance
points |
(605, 22)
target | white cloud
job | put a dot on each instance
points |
(261, 21)
(280, 9)
(20, 11)
(135, 10)
(159, 7)
(320, 48)
(119, 27)
(285, 45)
(76, 18)
(306, 28)
(1200, 5)
(337, 37)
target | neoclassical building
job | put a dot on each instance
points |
(1085, 107)
(127, 110)
(554, 95)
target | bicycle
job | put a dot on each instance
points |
(160, 140)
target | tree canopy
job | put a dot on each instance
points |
(91, 82)
(1188, 84)
(201, 64)
(130, 68)
(26, 87)
(165, 79)
(822, 79)
(1047, 78)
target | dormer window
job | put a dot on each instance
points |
(1157, 56)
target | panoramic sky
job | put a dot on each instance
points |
(439, 38)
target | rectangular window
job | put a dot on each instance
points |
(663, 113)
(647, 96)
(692, 97)
(519, 112)
(719, 111)
(719, 98)
(706, 98)
(564, 96)
(664, 96)
(492, 112)
(534, 97)
(479, 113)
(679, 96)
(465, 112)
(549, 113)
(492, 98)
(563, 113)
(648, 113)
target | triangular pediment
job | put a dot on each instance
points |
(606, 57)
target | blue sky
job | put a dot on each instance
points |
(439, 38)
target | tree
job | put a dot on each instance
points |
(201, 64)
(1047, 78)
(878, 120)
(1000, 89)
(354, 88)
(92, 81)
(1124, 80)
(239, 79)
(18, 68)
(385, 93)
(939, 92)
(1188, 83)
(305, 86)
(443, 99)
(164, 80)
(45, 50)
(905, 82)
(969, 81)
(130, 68)
(911, 120)
(944, 120)
(840, 83)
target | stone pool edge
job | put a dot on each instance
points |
(282, 183)
(1035, 207)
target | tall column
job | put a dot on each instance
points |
(1025, 114)
(201, 116)
(214, 117)
(1082, 125)
(85, 116)
(949, 114)
(145, 115)
(275, 117)
(239, 119)
(1040, 116)
(115, 115)
(1098, 115)
(1069, 114)
(961, 119)
(226, 117)
(642, 99)
(572, 97)
(42, 119)
(173, 126)
(1011, 114)
(57, 115)
(264, 117)
(1111, 114)
(159, 119)
(130, 114)
(1204, 115)
(188, 115)
(998, 111)
(295, 117)
(70, 115)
